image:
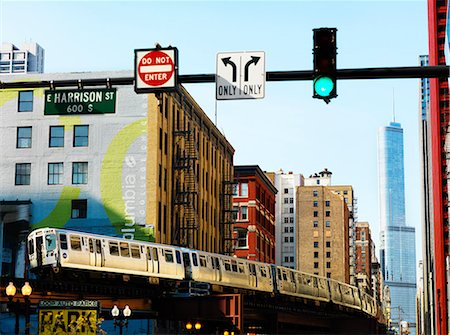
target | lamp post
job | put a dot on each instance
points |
(120, 320)
(15, 305)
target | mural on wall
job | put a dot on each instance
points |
(116, 156)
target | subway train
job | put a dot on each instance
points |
(56, 250)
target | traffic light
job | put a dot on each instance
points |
(324, 76)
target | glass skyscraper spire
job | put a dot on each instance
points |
(397, 250)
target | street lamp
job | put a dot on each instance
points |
(15, 306)
(119, 320)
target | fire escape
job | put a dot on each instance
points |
(227, 215)
(186, 188)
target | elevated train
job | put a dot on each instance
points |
(59, 250)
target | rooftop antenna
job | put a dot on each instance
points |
(393, 103)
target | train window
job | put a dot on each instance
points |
(51, 242)
(75, 242)
(279, 274)
(91, 246)
(113, 248)
(234, 266)
(155, 254)
(63, 241)
(194, 259)
(135, 253)
(241, 267)
(149, 253)
(227, 266)
(178, 256)
(292, 277)
(98, 244)
(203, 261)
(31, 246)
(169, 256)
(284, 275)
(124, 249)
(216, 263)
(263, 271)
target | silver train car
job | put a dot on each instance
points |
(56, 250)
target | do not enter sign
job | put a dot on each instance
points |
(156, 70)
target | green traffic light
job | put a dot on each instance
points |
(323, 86)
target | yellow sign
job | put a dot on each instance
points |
(67, 321)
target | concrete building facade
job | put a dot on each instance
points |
(285, 216)
(26, 59)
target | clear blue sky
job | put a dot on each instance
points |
(287, 129)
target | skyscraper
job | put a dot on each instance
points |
(397, 251)
(28, 58)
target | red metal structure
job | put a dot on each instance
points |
(439, 109)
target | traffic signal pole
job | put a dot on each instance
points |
(441, 71)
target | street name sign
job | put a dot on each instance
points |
(155, 70)
(240, 75)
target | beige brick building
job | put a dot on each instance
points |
(323, 232)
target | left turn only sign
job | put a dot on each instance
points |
(155, 70)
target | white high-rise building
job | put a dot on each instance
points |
(285, 225)
(28, 58)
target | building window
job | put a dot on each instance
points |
(316, 214)
(291, 200)
(81, 136)
(244, 213)
(327, 203)
(235, 213)
(315, 193)
(318, 182)
(291, 259)
(327, 213)
(291, 239)
(55, 173)
(79, 209)
(316, 224)
(316, 265)
(316, 244)
(291, 220)
(244, 189)
(286, 191)
(328, 254)
(316, 204)
(56, 136)
(328, 265)
(286, 259)
(25, 101)
(23, 172)
(286, 239)
(291, 229)
(328, 224)
(286, 229)
(291, 210)
(241, 238)
(23, 137)
(316, 254)
(328, 274)
(79, 173)
(328, 244)
(286, 200)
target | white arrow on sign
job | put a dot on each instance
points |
(240, 75)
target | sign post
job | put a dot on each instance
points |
(155, 70)
(240, 75)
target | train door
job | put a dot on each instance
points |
(252, 278)
(216, 269)
(39, 247)
(152, 260)
(187, 265)
(95, 252)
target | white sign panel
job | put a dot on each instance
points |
(155, 69)
(240, 75)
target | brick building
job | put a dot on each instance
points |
(254, 206)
